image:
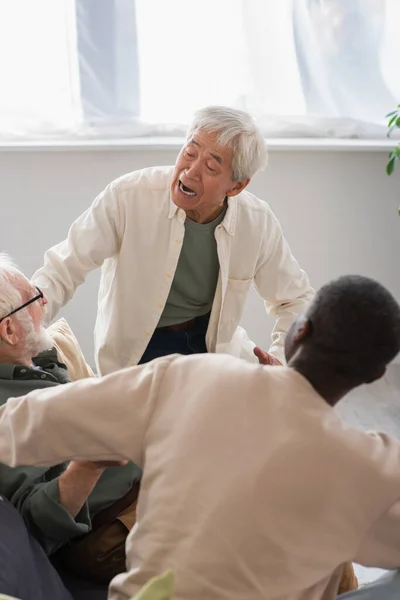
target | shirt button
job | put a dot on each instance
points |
(169, 275)
(177, 241)
(148, 333)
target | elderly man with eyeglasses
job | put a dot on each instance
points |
(58, 504)
(180, 248)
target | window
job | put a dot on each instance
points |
(121, 68)
(38, 67)
(108, 62)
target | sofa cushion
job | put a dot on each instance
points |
(68, 350)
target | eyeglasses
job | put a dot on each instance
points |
(38, 297)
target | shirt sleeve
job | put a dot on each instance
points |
(92, 419)
(381, 546)
(92, 238)
(50, 523)
(283, 285)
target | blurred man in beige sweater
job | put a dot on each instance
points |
(253, 488)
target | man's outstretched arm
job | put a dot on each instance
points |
(93, 419)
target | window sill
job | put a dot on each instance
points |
(169, 143)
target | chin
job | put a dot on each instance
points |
(35, 340)
(39, 341)
(45, 341)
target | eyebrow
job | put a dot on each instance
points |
(215, 156)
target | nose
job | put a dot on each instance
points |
(193, 170)
(44, 300)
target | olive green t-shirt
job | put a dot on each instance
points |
(193, 287)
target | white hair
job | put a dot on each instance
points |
(11, 298)
(237, 130)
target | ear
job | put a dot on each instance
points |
(237, 187)
(9, 331)
(376, 376)
(303, 330)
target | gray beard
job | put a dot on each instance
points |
(38, 341)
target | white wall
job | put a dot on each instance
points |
(338, 211)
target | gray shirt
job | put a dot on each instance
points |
(193, 287)
(34, 490)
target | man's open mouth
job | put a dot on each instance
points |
(186, 190)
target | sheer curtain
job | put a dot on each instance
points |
(39, 84)
(124, 68)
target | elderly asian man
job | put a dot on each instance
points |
(179, 249)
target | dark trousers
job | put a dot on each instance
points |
(189, 340)
(25, 570)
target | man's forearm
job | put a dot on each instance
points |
(76, 484)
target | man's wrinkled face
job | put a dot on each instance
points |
(37, 309)
(202, 177)
(34, 337)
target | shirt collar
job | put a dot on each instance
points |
(229, 222)
(9, 371)
(6, 371)
(173, 209)
(231, 215)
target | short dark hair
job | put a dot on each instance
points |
(355, 325)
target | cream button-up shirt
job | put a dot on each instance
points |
(253, 488)
(134, 232)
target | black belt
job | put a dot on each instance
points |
(186, 326)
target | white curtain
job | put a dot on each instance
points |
(39, 84)
(125, 68)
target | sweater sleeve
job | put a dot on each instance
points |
(92, 419)
(34, 492)
(381, 546)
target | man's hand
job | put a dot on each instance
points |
(78, 480)
(264, 358)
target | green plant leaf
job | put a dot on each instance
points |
(392, 128)
(391, 165)
(394, 156)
